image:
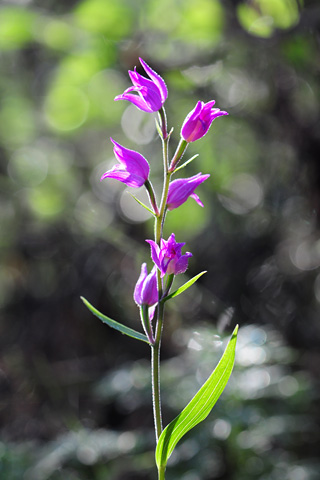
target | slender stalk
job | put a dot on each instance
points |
(161, 472)
(160, 219)
(155, 348)
(163, 119)
(156, 397)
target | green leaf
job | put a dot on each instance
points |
(184, 287)
(116, 325)
(199, 407)
(142, 204)
(186, 163)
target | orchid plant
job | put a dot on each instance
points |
(154, 289)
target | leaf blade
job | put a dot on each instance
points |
(143, 205)
(186, 163)
(200, 405)
(115, 325)
(183, 287)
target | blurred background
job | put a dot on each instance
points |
(75, 400)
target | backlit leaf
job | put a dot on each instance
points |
(199, 407)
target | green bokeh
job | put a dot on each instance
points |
(111, 19)
(16, 27)
(261, 17)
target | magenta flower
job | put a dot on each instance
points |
(199, 120)
(183, 188)
(169, 258)
(133, 169)
(146, 292)
(151, 93)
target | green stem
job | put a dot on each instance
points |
(160, 219)
(161, 472)
(156, 398)
(166, 179)
(163, 119)
(158, 226)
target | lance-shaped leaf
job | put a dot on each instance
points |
(143, 205)
(186, 163)
(116, 325)
(199, 407)
(184, 287)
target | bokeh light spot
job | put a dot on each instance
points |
(66, 108)
(221, 429)
(138, 126)
(28, 167)
(131, 210)
(243, 194)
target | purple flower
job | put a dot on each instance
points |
(146, 292)
(133, 169)
(183, 188)
(168, 257)
(199, 120)
(151, 93)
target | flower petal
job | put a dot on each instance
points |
(118, 173)
(138, 288)
(182, 263)
(182, 188)
(197, 199)
(132, 161)
(155, 250)
(136, 100)
(156, 79)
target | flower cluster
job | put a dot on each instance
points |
(150, 95)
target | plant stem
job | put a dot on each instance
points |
(161, 472)
(163, 119)
(156, 397)
(158, 226)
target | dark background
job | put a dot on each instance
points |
(75, 400)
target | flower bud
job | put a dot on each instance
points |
(199, 120)
(146, 292)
